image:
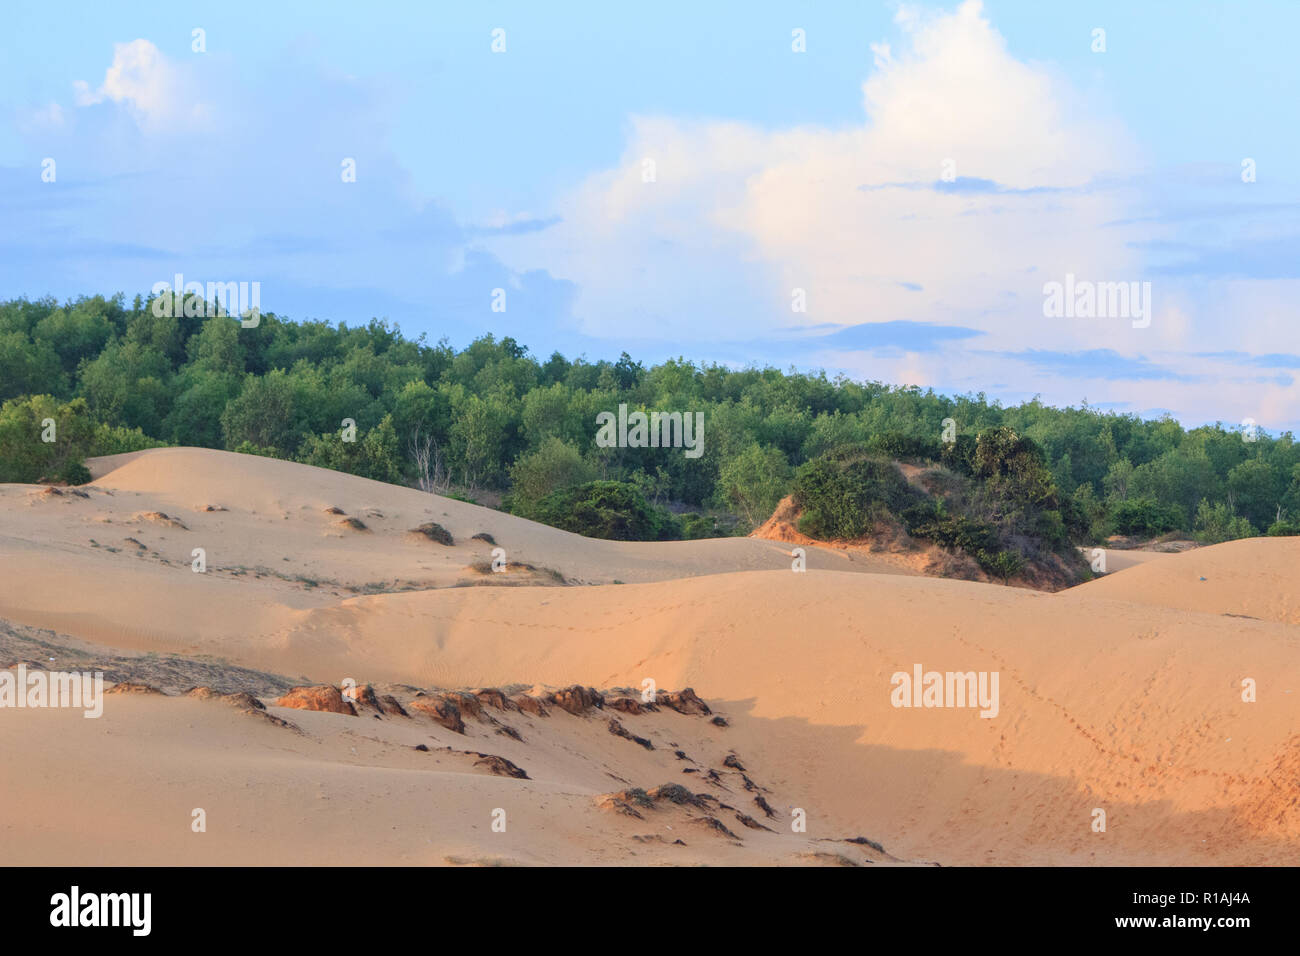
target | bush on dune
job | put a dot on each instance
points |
(846, 491)
(1006, 515)
(1218, 523)
(42, 439)
(606, 509)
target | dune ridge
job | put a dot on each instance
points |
(1123, 694)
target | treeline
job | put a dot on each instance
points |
(493, 419)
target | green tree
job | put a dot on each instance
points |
(376, 454)
(754, 482)
(265, 414)
(1255, 489)
(42, 439)
(78, 332)
(202, 397)
(1118, 479)
(128, 384)
(555, 465)
(479, 432)
(1216, 523)
(27, 367)
(1014, 467)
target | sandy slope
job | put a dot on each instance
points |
(353, 790)
(275, 519)
(1123, 694)
(1255, 577)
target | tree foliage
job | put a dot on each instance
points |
(494, 418)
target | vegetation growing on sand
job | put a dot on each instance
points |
(490, 419)
(1004, 512)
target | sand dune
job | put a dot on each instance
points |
(340, 790)
(267, 491)
(1254, 577)
(1124, 694)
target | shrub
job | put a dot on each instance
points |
(607, 509)
(1003, 564)
(959, 455)
(555, 465)
(25, 455)
(1013, 467)
(899, 445)
(700, 526)
(754, 482)
(1217, 523)
(248, 448)
(376, 455)
(435, 532)
(1144, 517)
(843, 494)
(931, 520)
(117, 439)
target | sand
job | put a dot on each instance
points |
(1122, 695)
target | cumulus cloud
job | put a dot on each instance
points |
(970, 181)
(156, 90)
(727, 219)
(919, 234)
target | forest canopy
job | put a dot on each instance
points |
(494, 420)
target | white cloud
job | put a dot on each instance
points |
(156, 90)
(758, 213)
(738, 216)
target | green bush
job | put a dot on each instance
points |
(1283, 528)
(959, 455)
(843, 495)
(900, 445)
(1217, 523)
(700, 526)
(1144, 517)
(375, 455)
(555, 465)
(1014, 467)
(1077, 516)
(248, 448)
(607, 509)
(931, 520)
(25, 454)
(1004, 564)
(754, 482)
(117, 440)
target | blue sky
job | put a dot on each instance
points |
(677, 179)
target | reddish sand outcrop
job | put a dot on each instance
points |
(530, 705)
(492, 697)
(577, 699)
(440, 710)
(324, 697)
(240, 699)
(364, 695)
(685, 701)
